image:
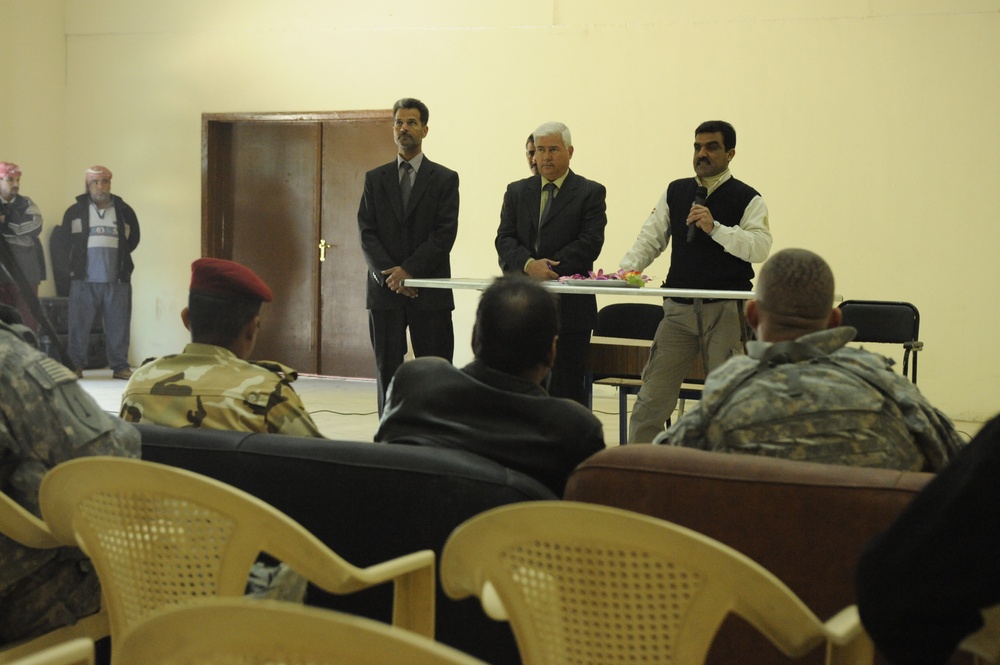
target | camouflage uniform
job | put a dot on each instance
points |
(816, 400)
(47, 418)
(208, 386)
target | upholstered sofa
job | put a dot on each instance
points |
(807, 523)
(368, 502)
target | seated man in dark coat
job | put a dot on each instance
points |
(923, 584)
(496, 406)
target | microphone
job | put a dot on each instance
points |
(700, 195)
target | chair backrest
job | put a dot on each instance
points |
(628, 320)
(160, 536)
(886, 322)
(805, 522)
(79, 651)
(239, 632)
(22, 526)
(882, 321)
(339, 489)
(586, 583)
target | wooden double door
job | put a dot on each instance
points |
(280, 194)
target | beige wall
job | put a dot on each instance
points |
(868, 126)
(33, 102)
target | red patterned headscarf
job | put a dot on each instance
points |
(97, 173)
(9, 170)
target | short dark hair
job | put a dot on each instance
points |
(531, 139)
(516, 321)
(721, 126)
(796, 289)
(411, 103)
(218, 320)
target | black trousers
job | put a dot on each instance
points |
(431, 332)
(567, 378)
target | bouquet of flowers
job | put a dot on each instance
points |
(633, 277)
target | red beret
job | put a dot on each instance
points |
(227, 278)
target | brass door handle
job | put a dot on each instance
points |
(323, 246)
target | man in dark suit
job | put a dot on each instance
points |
(408, 220)
(553, 225)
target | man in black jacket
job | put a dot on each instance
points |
(552, 225)
(495, 406)
(923, 584)
(104, 231)
(20, 225)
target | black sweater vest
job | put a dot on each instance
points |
(702, 263)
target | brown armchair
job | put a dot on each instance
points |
(806, 523)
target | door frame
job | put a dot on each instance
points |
(218, 198)
(216, 141)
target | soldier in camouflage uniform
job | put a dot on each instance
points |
(800, 393)
(47, 418)
(210, 384)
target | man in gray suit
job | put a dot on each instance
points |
(408, 220)
(553, 225)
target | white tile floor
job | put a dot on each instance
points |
(346, 408)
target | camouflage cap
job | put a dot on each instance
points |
(227, 278)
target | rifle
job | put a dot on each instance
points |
(28, 293)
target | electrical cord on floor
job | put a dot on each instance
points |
(605, 413)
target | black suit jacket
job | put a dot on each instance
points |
(573, 234)
(419, 240)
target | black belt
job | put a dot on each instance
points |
(690, 301)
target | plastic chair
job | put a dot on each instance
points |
(887, 322)
(161, 536)
(583, 583)
(21, 526)
(227, 631)
(79, 651)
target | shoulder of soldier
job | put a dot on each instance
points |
(284, 371)
(22, 360)
(732, 369)
(863, 357)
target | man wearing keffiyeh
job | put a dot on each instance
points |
(103, 232)
(20, 225)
